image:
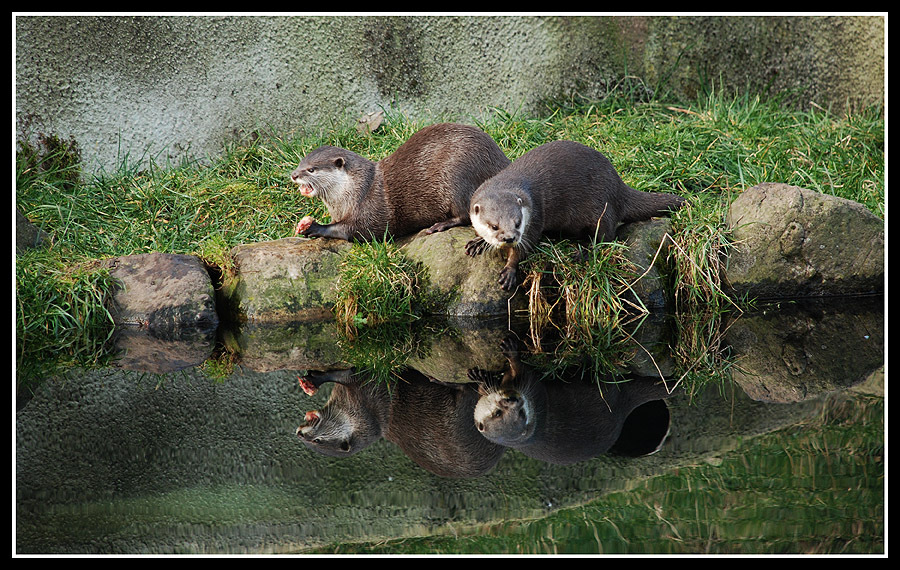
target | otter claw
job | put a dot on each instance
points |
(303, 225)
(475, 247)
(308, 387)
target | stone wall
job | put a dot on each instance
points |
(170, 87)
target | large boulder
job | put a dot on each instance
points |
(468, 284)
(162, 292)
(283, 280)
(793, 242)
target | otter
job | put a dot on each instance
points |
(568, 420)
(561, 187)
(425, 184)
(430, 421)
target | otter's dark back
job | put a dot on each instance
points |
(432, 423)
(432, 176)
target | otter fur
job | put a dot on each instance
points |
(565, 421)
(560, 188)
(430, 421)
(425, 184)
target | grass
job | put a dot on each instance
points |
(707, 150)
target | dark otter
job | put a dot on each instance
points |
(430, 421)
(560, 187)
(567, 421)
(425, 184)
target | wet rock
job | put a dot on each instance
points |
(647, 249)
(794, 242)
(470, 283)
(141, 350)
(166, 293)
(283, 280)
(295, 345)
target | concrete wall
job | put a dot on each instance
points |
(180, 86)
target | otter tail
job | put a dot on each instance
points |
(645, 205)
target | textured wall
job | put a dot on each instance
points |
(182, 85)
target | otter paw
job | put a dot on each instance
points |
(475, 246)
(304, 225)
(507, 279)
(480, 376)
(510, 346)
(308, 387)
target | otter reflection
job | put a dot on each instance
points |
(430, 421)
(569, 420)
(462, 430)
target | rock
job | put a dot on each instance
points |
(283, 280)
(470, 283)
(644, 240)
(794, 242)
(28, 235)
(167, 293)
(295, 278)
(295, 345)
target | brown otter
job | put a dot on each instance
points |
(430, 421)
(561, 187)
(567, 421)
(425, 184)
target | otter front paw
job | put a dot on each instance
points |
(304, 225)
(475, 246)
(480, 376)
(510, 347)
(307, 386)
(508, 278)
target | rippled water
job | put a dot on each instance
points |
(784, 456)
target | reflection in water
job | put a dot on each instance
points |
(185, 463)
(566, 420)
(430, 421)
(462, 429)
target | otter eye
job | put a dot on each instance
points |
(317, 440)
(495, 227)
(311, 169)
(497, 413)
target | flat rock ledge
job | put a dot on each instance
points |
(789, 242)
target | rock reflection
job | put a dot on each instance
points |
(462, 429)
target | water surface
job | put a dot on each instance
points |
(156, 456)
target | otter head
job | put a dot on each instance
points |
(505, 416)
(331, 432)
(499, 218)
(328, 173)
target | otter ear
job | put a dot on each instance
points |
(519, 200)
(339, 162)
(476, 208)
